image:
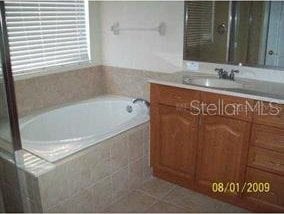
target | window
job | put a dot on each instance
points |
(47, 33)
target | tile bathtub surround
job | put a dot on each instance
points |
(42, 92)
(1, 202)
(3, 101)
(50, 90)
(13, 196)
(132, 82)
(92, 179)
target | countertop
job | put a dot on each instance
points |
(252, 89)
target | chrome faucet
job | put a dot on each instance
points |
(232, 74)
(222, 74)
(147, 103)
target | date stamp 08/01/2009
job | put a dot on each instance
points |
(235, 187)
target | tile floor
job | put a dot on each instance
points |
(158, 196)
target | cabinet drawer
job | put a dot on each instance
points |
(272, 200)
(174, 96)
(268, 137)
(266, 160)
(270, 114)
(228, 106)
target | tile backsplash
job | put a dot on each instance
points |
(59, 88)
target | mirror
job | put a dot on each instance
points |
(246, 32)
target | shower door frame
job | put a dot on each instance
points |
(9, 81)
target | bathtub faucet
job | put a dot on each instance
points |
(147, 103)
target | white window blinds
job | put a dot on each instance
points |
(47, 33)
(200, 22)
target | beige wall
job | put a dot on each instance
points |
(147, 50)
(144, 50)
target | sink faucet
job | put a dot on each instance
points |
(222, 74)
(232, 74)
(147, 103)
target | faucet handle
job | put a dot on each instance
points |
(220, 72)
(232, 74)
(235, 71)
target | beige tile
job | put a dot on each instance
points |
(146, 135)
(54, 186)
(54, 209)
(157, 188)
(134, 202)
(54, 89)
(133, 82)
(100, 151)
(163, 207)
(102, 194)
(29, 187)
(193, 201)
(12, 198)
(86, 173)
(10, 173)
(136, 177)
(1, 199)
(26, 205)
(147, 170)
(1, 171)
(228, 208)
(79, 203)
(119, 184)
(88, 168)
(35, 207)
(136, 143)
(78, 172)
(127, 82)
(100, 170)
(119, 152)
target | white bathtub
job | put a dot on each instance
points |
(58, 133)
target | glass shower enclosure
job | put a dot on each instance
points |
(10, 142)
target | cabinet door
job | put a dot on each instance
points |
(174, 143)
(271, 201)
(222, 151)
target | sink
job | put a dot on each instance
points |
(215, 83)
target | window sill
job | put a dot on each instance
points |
(52, 70)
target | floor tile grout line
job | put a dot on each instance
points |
(174, 205)
(161, 199)
(171, 203)
(153, 196)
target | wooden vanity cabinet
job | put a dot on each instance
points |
(266, 160)
(175, 132)
(267, 137)
(264, 115)
(196, 150)
(271, 201)
(176, 142)
(222, 151)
